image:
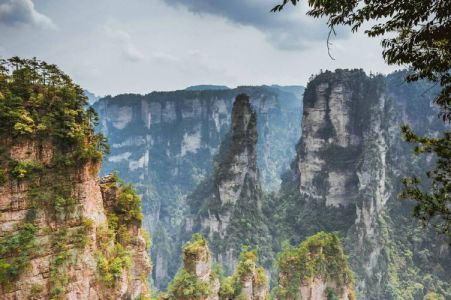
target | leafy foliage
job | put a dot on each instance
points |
(114, 238)
(227, 288)
(187, 286)
(433, 296)
(37, 100)
(192, 249)
(111, 265)
(26, 169)
(128, 206)
(231, 287)
(433, 207)
(15, 251)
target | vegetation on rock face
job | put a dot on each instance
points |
(246, 270)
(127, 207)
(319, 256)
(41, 106)
(420, 38)
(37, 100)
(192, 249)
(25, 169)
(113, 256)
(186, 284)
(44, 113)
(16, 251)
(111, 263)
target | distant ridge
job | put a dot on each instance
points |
(207, 87)
(295, 89)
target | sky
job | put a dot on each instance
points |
(139, 46)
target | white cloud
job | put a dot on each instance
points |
(131, 53)
(164, 56)
(135, 46)
(23, 12)
(117, 34)
(129, 50)
(290, 29)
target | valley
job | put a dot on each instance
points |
(265, 192)
(340, 178)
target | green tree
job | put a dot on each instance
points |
(37, 100)
(419, 36)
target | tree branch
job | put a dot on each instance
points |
(332, 30)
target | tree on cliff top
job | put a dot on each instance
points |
(37, 100)
(420, 37)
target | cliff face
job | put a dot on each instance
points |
(62, 234)
(329, 126)
(346, 177)
(58, 257)
(231, 199)
(165, 142)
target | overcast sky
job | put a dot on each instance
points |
(138, 46)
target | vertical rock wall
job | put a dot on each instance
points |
(62, 261)
(346, 178)
(227, 207)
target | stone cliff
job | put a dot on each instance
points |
(346, 178)
(63, 235)
(227, 207)
(58, 258)
(165, 142)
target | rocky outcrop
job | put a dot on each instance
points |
(165, 142)
(315, 270)
(198, 280)
(232, 197)
(346, 178)
(250, 279)
(129, 234)
(58, 257)
(238, 160)
(335, 122)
